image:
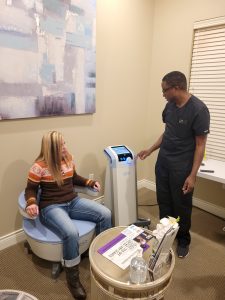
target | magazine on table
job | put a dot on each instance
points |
(123, 247)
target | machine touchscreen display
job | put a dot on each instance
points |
(122, 152)
(120, 149)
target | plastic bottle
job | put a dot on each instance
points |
(138, 268)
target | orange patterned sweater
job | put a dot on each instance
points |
(40, 177)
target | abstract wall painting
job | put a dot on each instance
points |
(47, 58)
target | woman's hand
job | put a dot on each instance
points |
(32, 210)
(97, 186)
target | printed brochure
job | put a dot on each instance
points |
(124, 247)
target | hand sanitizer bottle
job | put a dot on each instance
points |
(138, 268)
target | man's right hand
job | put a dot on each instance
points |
(143, 154)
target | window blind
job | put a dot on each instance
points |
(207, 82)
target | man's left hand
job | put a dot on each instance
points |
(189, 184)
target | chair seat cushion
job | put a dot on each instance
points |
(37, 231)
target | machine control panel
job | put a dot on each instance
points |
(122, 153)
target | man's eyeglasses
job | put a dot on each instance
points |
(167, 89)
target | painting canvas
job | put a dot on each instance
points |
(47, 58)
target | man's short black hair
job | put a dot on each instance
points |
(176, 78)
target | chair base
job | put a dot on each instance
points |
(56, 266)
(46, 245)
(53, 252)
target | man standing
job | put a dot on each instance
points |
(182, 147)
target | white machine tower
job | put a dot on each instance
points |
(121, 185)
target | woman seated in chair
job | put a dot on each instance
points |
(54, 172)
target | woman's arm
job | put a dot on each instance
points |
(31, 190)
(82, 181)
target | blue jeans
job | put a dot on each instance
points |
(58, 217)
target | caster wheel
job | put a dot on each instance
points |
(56, 270)
(27, 248)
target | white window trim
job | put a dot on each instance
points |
(209, 23)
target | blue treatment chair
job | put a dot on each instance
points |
(45, 243)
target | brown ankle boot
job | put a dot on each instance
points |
(73, 281)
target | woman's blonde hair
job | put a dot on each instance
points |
(51, 153)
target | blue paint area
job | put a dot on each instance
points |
(88, 30)
(77, 10)
(76, 40)
(73, 102)
(53, 26)
(84, 26)
(18, 41)
(56, 6)
(47, 71)
(82, 37)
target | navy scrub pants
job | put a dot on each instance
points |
(172, 202)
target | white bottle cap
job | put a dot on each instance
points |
(139, 252)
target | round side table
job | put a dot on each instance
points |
(109, 282)
(15, 295)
